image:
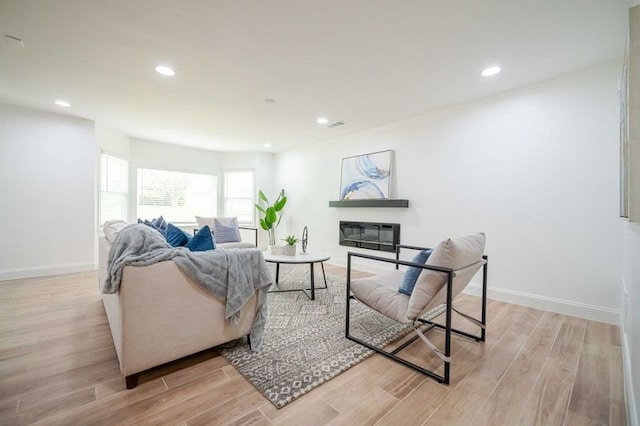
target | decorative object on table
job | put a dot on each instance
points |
(276, 250)
(366, 176)
(305, 239)
(272, 214)
(290, 248)
(304, 344)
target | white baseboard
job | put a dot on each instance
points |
(560, 306)
(552, 304)
(16, 274)
(629, 394)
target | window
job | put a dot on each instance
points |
(114, 188)
(239, 196)
(178, 197)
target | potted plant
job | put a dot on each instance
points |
(290, 248)
(271, 214)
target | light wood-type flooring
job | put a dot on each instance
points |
(58, 366)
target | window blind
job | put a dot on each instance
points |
(114, 188)
(239, 196)
(176, 196)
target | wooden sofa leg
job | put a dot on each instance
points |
(132, 381)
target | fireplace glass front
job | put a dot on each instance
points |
(370, 235)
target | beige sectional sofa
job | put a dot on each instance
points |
(160, 315)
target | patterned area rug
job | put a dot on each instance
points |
(304, 343)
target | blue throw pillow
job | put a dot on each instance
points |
(202, 241)
(412, 273)
(176, 236)
(160, 225)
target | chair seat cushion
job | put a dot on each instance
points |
(380, 292)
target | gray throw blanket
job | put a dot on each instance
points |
(231, 275)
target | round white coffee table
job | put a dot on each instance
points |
(299, 259)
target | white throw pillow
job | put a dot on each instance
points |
(224, 229)
(112, 227)
(202, 221)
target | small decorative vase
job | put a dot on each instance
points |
(290, 250)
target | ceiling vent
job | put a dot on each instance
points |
(336, 124)
(13, 41)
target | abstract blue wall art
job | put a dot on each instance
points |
(366, 176)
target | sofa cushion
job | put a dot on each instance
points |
(202, 241)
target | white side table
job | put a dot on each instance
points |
(299, 259)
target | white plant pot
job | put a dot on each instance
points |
(277, 250)
(290, 250)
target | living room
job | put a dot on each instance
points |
(534, 166)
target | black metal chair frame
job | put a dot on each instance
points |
(448, 329)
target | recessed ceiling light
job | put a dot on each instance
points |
(487, 72)
(269, 101)
(267, 145)
(62, 103)
(322, 120)
(161, 69)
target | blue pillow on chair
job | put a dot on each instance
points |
(412, 273)
(176, 236)
(202, 241)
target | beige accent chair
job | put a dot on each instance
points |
(447, 271)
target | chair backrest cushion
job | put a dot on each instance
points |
(451, 253)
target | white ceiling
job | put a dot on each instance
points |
(363, 62)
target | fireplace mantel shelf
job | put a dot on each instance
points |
(370, 203)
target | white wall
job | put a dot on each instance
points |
(47, 180)
(535, 168)
(112, 142)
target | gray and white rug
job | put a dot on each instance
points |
(304, 343)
